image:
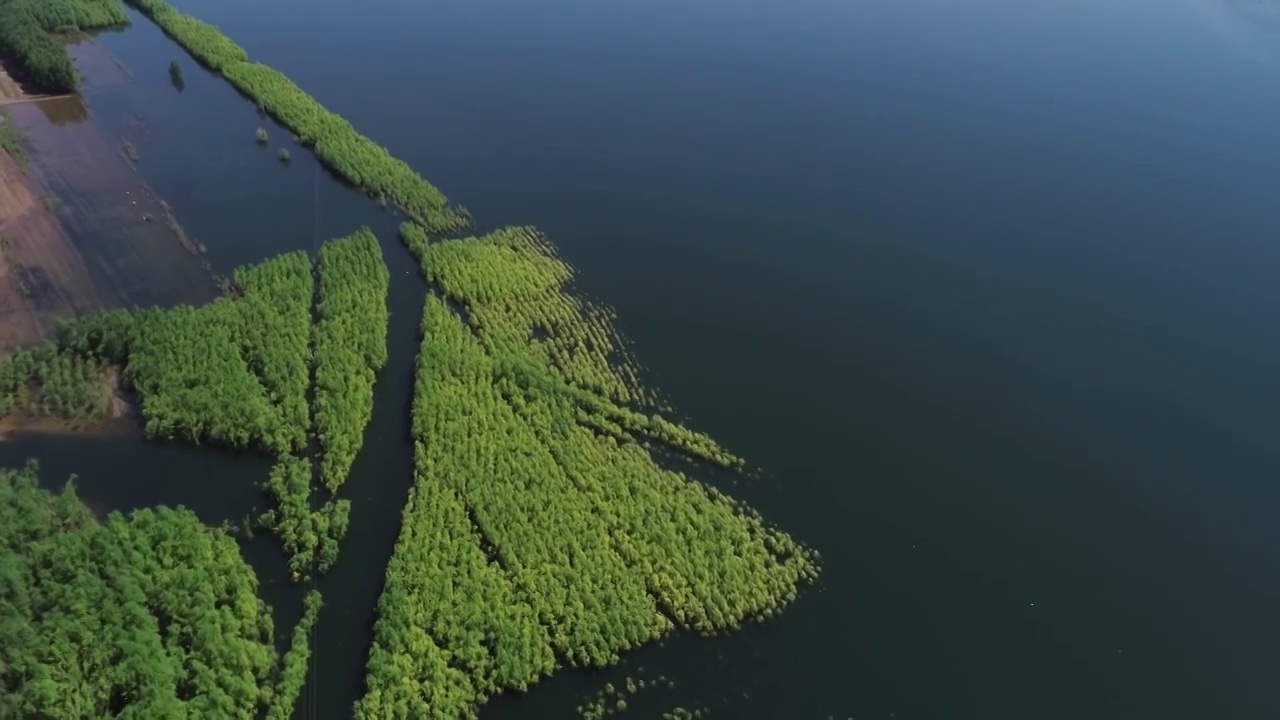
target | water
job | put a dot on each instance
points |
(986, 287)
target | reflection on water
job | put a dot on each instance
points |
(63, 111)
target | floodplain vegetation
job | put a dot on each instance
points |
(25, 27)
(612, 700)
(183, 633)
(145, 615)
(540, 530)
(42, 382)
(11, 140)
(350, 347)
(543, 527)
(236, 373)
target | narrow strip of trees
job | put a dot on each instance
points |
(350, 348)
(351, 155)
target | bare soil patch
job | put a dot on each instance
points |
(42, 276)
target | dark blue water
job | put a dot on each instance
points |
(987, 288)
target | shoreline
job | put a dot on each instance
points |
(80, 228)
(121, 412)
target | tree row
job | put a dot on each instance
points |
(351, 155)
(350, 348)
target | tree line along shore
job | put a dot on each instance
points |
(543, 528)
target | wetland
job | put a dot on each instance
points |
(928, 293)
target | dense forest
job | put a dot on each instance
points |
(237, 373)
(150, 615)
(25, 26)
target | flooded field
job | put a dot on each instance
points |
(79, 228)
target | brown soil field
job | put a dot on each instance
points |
(9, 89)
(42, 276)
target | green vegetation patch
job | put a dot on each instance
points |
(539, 524)
(359, 160)
(43, 382)
(150, 615)
(24, 35)
(293, 669)
(350, 348)
(237, 373)
(517, 294)
(275, 304)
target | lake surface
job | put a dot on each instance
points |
(988, 289)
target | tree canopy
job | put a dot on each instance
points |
(24, 35)
(278, 360)
(350, 346)
(149, 615)
(539, 525)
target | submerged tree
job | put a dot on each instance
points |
(175, 76)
